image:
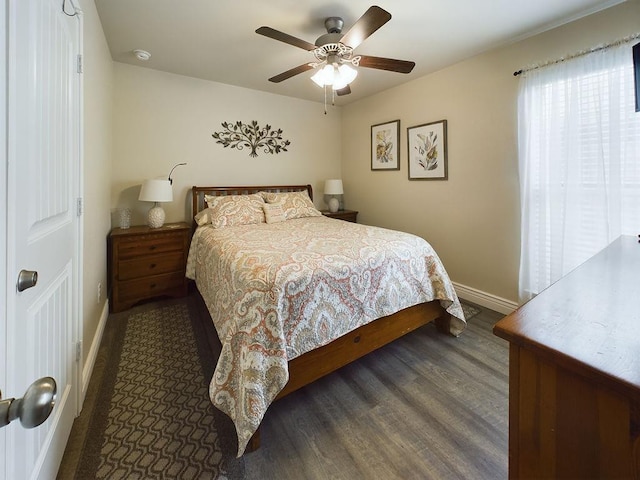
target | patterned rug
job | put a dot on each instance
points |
(155, 419)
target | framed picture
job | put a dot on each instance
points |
(427, 146)
(385, 146)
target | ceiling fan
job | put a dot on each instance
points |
(333, 51)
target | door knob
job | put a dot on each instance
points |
(27, 279)
(32, 409)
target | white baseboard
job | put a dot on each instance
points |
(484, 299)
(87, 368)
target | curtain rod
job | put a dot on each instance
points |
(579, 54)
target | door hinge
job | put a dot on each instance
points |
(80, 207)
(79, 63)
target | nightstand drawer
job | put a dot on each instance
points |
(134, 247)
(147, 287)
(151, 265)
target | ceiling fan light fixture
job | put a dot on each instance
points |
(335, 76)
(317, 78)
(336, 49)
(347, 74)
(324, 76)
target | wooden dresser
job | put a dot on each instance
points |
(147, 262)
(574, 372)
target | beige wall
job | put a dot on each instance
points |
(472, 219)
(98, 93)
(161, 119)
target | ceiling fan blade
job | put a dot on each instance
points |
(368, 23)
(286, 38)
(290, 73)
(344, 91)
(400, 66)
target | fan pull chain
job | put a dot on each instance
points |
(325, 99)
(333, 98)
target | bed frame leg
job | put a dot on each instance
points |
(443, 323)
(254, 442)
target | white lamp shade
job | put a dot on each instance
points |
(333, 187)
(156, 190)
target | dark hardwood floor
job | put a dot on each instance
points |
(427, 406)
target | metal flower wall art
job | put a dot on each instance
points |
(240, 135)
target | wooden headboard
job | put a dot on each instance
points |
(198, 193)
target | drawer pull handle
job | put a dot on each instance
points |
(357, 339)
(152, 247)
(152, 286)
(153, 265)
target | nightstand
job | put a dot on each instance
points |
(146, 262)
(348, 215)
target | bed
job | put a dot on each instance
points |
(294, 295)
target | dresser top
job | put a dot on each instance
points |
(590, 319)
(144, 229)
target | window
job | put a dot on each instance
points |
(579, 161)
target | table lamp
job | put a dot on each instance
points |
(156, 190)
(333, 187)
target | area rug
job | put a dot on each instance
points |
(154, 418)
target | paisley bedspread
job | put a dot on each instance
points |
(276, 291)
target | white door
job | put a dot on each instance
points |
(43, 226)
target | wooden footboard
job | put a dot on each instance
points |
(319, 362)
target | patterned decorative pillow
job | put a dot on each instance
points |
(202, 217)
(294, 204)
(232, 210)
(274, 213)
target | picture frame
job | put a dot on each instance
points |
(427, 151)
(385, 146)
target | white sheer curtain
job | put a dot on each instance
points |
(579, 161)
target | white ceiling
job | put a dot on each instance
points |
(216, 39)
